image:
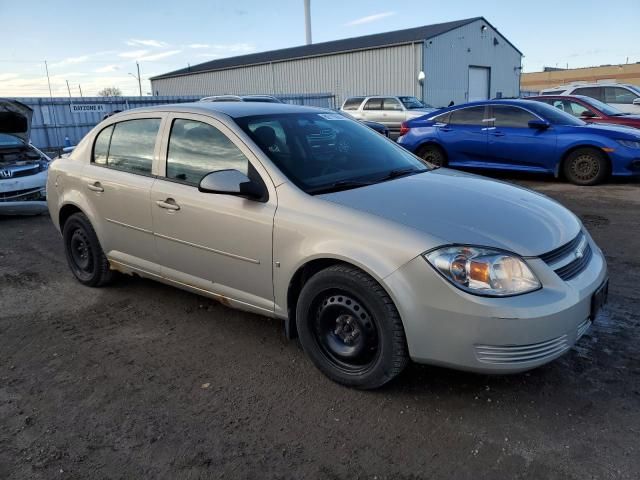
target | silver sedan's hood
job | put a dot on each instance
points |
(457, 207)
(15, 118)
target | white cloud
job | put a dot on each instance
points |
(199, 45)
(158, 56)
(70, 61)
(134, 42)
(8, 76)
(133, 54)
(107, 68)
(369, 19)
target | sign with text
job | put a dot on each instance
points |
(88, 108)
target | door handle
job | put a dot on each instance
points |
(497, 134)
(445, 129)
(95, 187)
(168, 204)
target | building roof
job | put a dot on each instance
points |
(408, 35)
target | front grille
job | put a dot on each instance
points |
(555, 255)
(520, 354)
(572, 269)
(26, 172)
(23, 195)
(574, 257)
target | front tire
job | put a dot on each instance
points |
(350, 328)
(586, 166)
(84, 254)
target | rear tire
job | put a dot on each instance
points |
(586, 166)
(84, 254)
(350, 328)
(433, 154)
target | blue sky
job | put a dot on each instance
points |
(95, 44)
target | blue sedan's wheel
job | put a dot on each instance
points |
(433, 154)
(586, 166)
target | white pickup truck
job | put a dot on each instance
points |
(389, 111)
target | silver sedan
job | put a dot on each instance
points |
(369, 255)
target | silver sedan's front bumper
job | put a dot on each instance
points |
(446, 326)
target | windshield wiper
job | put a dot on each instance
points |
(400, 172)
(339, 186)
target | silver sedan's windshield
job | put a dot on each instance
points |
(323, 152)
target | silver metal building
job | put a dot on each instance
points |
(462, 61)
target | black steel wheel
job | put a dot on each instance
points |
(350, 328)
(84, 254)
(433, 154)
(586, 166)
(345, 332)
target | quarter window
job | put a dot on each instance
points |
(513, 117)
(101, 147)
(128, 145)
(467, 116)
(444, 118)
(196, 149)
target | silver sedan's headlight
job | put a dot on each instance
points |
(483, 271)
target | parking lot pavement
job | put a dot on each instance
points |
(140, 380)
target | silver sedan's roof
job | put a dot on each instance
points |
(232, 109)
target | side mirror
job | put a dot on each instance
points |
(587, 114)
(636, 101)
(539, 124)
(231, 182)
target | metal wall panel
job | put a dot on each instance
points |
(448, 57)
(389, 70)
(53, 119)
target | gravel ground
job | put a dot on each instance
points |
(140, 380)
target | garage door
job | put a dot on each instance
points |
(479, 83)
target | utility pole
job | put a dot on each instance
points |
(137, 77)
(307, 20)
(68, 89)
(55, 121)
(80, 88)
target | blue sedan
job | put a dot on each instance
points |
(523, 135)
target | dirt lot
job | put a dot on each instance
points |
(141, 380)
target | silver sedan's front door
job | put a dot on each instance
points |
(220, 244)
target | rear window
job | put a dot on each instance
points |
(553, 92)
(352, 103)
(7, 140)
(595, 92)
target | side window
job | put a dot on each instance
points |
(373, 104)
(128, 145)
(352, 103)
(513, 117)
(101, 146)
(467, 116)
(575, 109)
(196, 148)
(391, 104)
(593, 92)
(618, 95)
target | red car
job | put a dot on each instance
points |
(589, 109)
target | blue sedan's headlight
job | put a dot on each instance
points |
(630, 143)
